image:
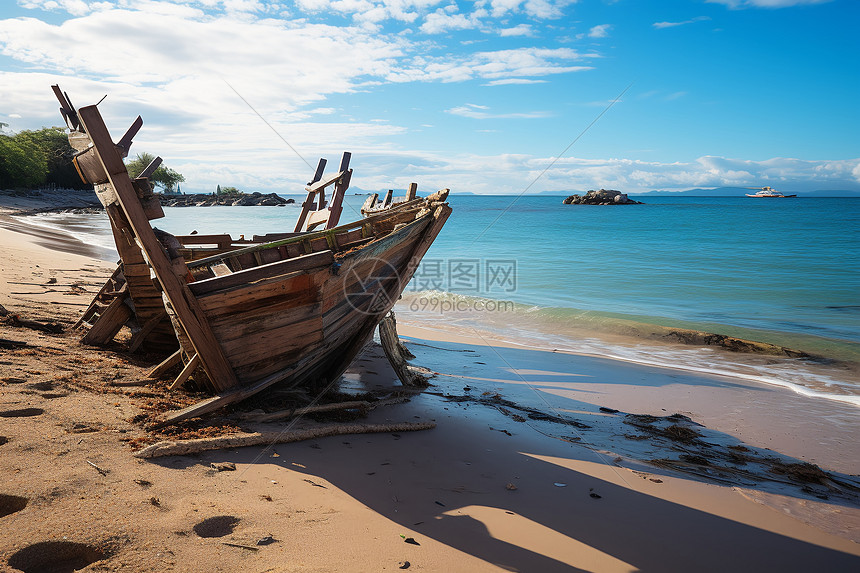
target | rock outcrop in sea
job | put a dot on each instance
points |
(232, 199)
(601, 197)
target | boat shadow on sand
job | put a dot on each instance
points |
(528, 480)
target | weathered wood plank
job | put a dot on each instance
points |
(305, 263)
(325, 181)
(222, 240)
(391, 346)
(411, 192)
(186, 372)
(110, 321)
(369, 203)
(297, 289)
(340, 187)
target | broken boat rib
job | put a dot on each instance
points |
(295, 310)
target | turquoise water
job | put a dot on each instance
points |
(779, 271)
(779, 265)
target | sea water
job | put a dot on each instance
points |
(615, 280)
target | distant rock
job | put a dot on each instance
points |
(231, 199)
(601, 197)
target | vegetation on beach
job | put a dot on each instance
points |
(164, 177)
(32, 159)
(228, 191)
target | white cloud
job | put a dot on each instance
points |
(513, 81)
(497, 65)
(482, 112)
(766, 3)
(512, 173)
(600, 31)
(499, 8)
(519, 30)
(73, 7)
(544, 9)
(661, 25)
(708, 171)
(175, 63)
(443, 20)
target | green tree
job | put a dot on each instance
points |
(22, 163)
(228, 191)
(54, 145)
(163, 177)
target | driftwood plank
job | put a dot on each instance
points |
(187, 447)
(364, 405)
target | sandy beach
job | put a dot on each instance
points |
(538, 461)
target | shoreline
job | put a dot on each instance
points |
(483, 491)
(701, 360)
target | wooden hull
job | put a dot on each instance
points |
(302, 320)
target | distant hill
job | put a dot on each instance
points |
(740, 191)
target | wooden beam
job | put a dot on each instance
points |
(66, 108)
(186, 372)
(110, 321)
(412, 191)
(369, 203)
(323, 183)
(183, 301)
(340, 188)
(150, 169)
(125, 140)
(166, 365)
(391, 346)
(319, 172)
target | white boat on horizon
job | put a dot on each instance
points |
(767, 192)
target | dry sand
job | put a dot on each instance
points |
(495, 486)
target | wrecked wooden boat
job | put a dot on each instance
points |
(296, 310)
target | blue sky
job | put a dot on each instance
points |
(476, 96)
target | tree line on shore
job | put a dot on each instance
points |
(33, 159)
(40, 158)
